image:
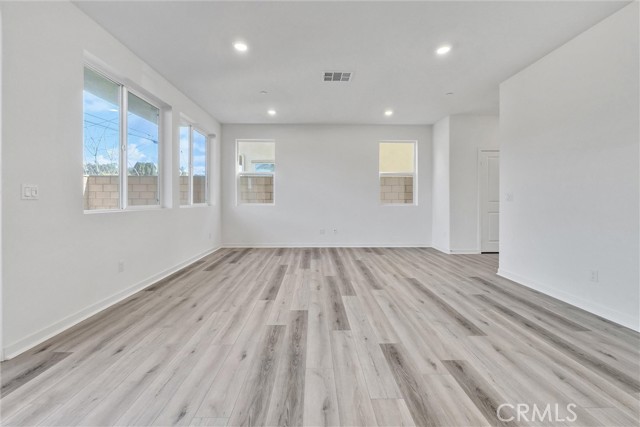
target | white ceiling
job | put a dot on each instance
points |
(389, 46)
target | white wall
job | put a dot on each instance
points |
(441, 171)
(569, 155)
(2, 357)
(327, 177)
(468, 134)
(60, 264)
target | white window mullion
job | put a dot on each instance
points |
(123, 151)
(160, 184)
(207, 144)
(190, 165)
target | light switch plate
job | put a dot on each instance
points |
(29, 192)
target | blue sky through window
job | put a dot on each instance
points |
(199, 154)
(101, 135)
(102, 139)
(142, 135)
(264, 167)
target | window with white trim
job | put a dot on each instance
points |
(121, 146)
(255, 171)
(397, 172)
(194, 183)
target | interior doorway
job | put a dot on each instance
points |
(489, 200)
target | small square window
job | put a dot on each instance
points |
(255, 169)
(397, 172)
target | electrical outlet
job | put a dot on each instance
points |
(594, 276)
(509, 197)
(29, 192)
(120, 266)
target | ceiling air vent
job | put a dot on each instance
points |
(337, 76)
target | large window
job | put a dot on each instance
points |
(397, 171)
(193, 166)
(120, 167)
(255, 171)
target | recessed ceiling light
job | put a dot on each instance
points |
(388, 113)
(240, 46)
(449, 93)
(443, 50)
(263, 92)
(271, 112)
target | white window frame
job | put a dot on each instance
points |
(255, 174)
(123, 91)
(207, 140)
(414, 175)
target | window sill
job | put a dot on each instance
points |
(257, 174)
(196, 205)
(129, 209)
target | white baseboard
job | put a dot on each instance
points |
(587, 305)
(443, 250)
(42, 335)
(457, 251)
(323, 245)
(464, 251)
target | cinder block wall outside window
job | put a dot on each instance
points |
(199, 188)
(103, 192)
(256, 189)
(396, 189)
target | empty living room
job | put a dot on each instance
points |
(320, 213)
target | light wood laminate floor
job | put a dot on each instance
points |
(356, 337)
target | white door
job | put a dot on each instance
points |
(489, 200)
